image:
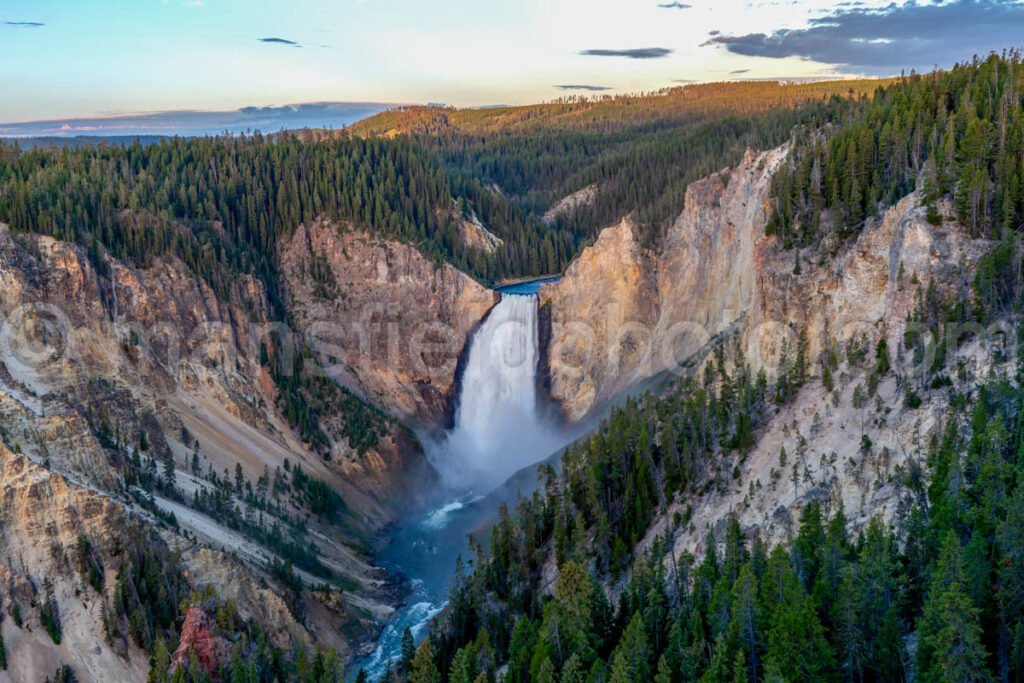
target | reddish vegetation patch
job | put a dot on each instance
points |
(197, 636)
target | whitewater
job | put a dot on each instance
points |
(499, 428)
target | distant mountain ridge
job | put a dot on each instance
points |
(198, 122)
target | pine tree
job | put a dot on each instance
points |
(572, 672)
(408, 649)
(846, 617)
(631, 660)
(160, 664)
(664, 673)
(796, 644)
(423, 669)
(568, 620)
(950, 635)
(464, 668)
(1010, 540)
(746, 619)
(520, 653)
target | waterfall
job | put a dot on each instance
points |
(498, 429)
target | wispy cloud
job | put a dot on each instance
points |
(24, 24)
(737, 72)
(593, 88)
(280, 41)
(632, 53)
(683, 81)
(884, 40)
(674, 5)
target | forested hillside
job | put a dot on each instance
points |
(958, 133)
(938, 593)
(639, 151)
(608, 113)
(221, 204)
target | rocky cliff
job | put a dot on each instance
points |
(866, 294)
(387, 322)
(624, 312)
(43, 516)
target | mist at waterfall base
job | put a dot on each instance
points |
(499, 429)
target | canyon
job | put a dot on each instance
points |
(153, 355)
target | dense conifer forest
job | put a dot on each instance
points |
(958, 133)
(639, 151)
(221, 204)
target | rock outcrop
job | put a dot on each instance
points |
(624, 313)
(475, 235)
(387, 322)
(199, 641)
(870, 287)
(43, 517)
(568, 204)
(600, 316)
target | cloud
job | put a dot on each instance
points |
(683, 81)
(737, 72)
(24, 24)
(593, 88)
(674, 5)
(633, 53)
(883, 41)
(280, 41)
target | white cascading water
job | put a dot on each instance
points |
(498, 430)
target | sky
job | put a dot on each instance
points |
(68, 59)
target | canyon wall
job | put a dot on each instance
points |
(387, 322)
(625, 311)
(109, 372)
